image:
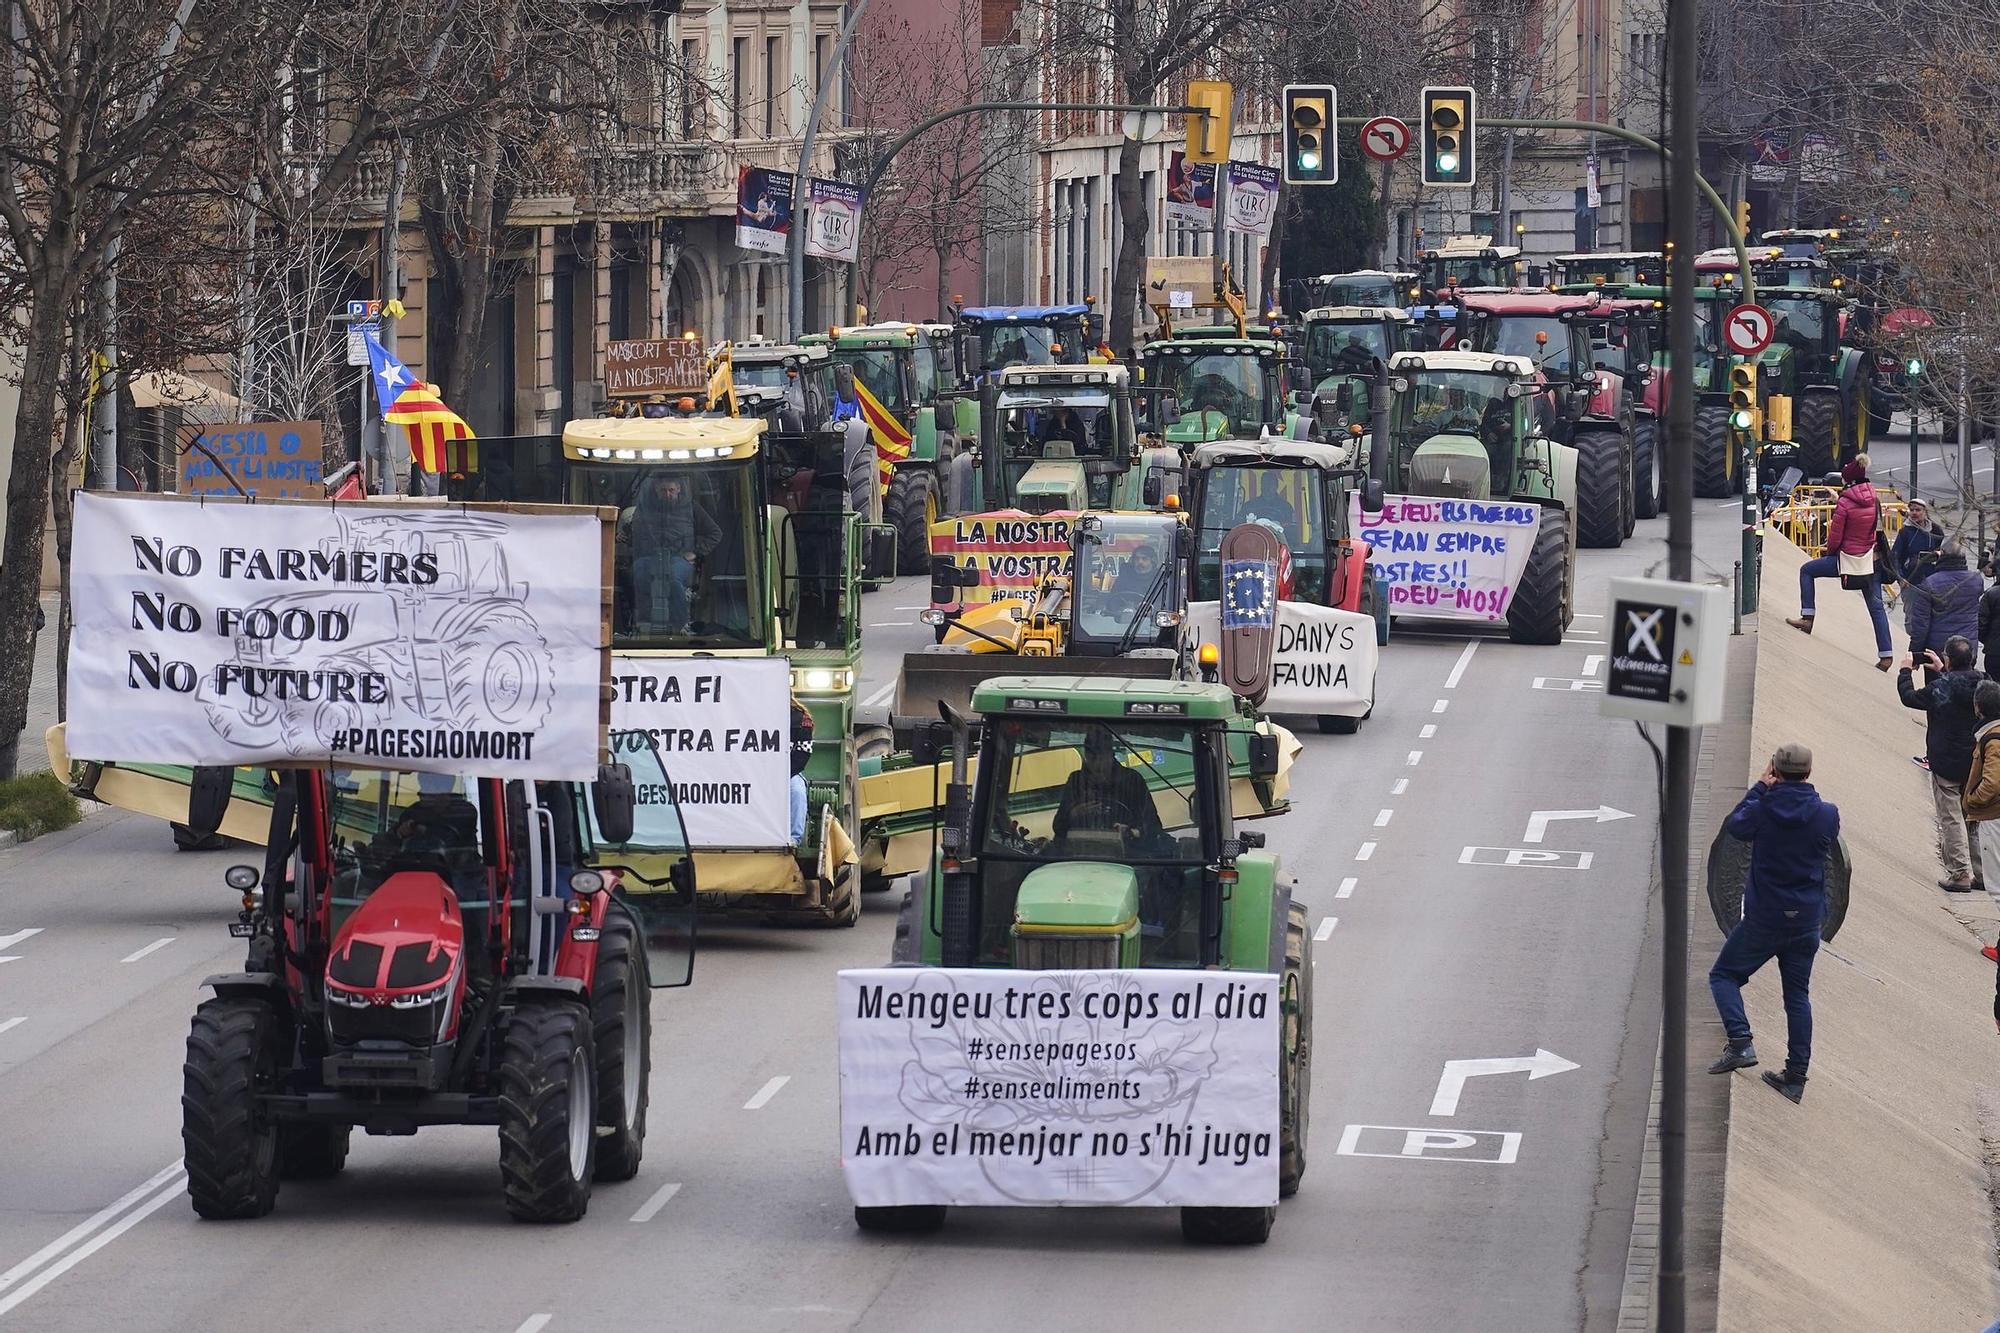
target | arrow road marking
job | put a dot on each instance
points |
(766, 1093)
(1538, 822)
(1452, 1082)
(15, 938)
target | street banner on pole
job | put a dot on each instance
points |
(723, 729)
(272, 460)
(1253, 198)
(763, 209)
(833, 230)
(1451, 559)
(460, 639)
(1148, 1088)
(1191, 192)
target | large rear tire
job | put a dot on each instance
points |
(1227, 1226)
(548, 1109)
(1818, 432)
(1712, 469)
(1539, 611)
(910, 508)
(907, 1220)
(621, 1023)
(1646, 488)
(1601, 483)
(1295, 995)
(312, 1151)
(230, 1144)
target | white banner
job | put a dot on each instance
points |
(1324, 662)
(724, 728)
(834, 228)
(446, 640)
(1149, 1088)
(1253, 198)
(1449, 559)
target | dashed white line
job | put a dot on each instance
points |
(1458, 667)
(1346, 889)
(1416, 757)
(154, 947)
(1440, 705)
(1430, 730)
(15, 938)
(1366, 850)
(661, 1197)
(534, 1323)
(1382, 818)
(1325, 931)
(6, 1023)
(925, 607)
(1591, 661)
(1586, 615)
(72, 1248)
(1402, 785)
(880, 696)
(767, 1092)
(1575, 638)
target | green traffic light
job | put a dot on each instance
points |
(1740, 419)
(1915, 365)
(1447, 163)
(1308, 159)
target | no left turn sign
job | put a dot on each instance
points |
(1385, 138)
(1748, 329)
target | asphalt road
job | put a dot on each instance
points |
(1512, 1211)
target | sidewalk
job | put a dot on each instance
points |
(1869, 1206)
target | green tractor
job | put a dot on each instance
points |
(1101, 834)
(1827, 381)
(1344, 343)
(1224, 385)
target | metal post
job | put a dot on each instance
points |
(1736, 582)
(1747, 563)
(1965, 439)
(103, 471)
(795, 246)
(1913, 449)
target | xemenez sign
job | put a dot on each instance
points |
(1642, 652)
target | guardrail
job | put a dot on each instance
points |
(1804, 520)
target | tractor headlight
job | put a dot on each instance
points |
(932, 617)
(822, 680)
(420, 998)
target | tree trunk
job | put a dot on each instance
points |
(27, 498)
(1132, 222)
(62, 505)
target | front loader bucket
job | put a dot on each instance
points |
(950, 675)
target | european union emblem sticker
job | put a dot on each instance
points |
(1249, 594)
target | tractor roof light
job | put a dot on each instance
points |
(1210, 655)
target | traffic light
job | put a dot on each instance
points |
(1913, 367)
(1208, 136)
(1310, 116)
(1448, 137)
(1743, 397)
(1743, 217)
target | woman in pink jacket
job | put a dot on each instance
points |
(1856, 519)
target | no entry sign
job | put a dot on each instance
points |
(1748, 329)
(1385, 138)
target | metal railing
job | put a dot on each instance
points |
(1805, 520)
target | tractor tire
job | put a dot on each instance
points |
(1880, 423)
(1648, 494)
(312, 1151)
(1712, 468)
(1295, 1091)
(1631, 484)
(1601, 484)
(906, 1220)
(500, 668)
(1818, 433)
(548, 1106)
(187, 840)
(1331, 725)
(1227, 1226)
(1375, 604)
(910, 507)
(1539, 611)
(234, 1047)
(904, 947)
(621, 1030)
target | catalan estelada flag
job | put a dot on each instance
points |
(892, 439)
(440, 441)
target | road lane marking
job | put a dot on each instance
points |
(1325, 931)
(925, 607)
(1493, 1147)
(1586, 615)
(1458, 667)
(1532, 858)
(767, 1092)
(78, 1244)
(1416, 757)
(888, 624)
(1592, 661)
(534, 1323)
(15, 938)
(1578, 638)
(1402, 785)
(880, 696)
(1367, 850)
(1565, 684)
(1346, 888)
(7, 1023)
(1430, 730)
(1382, 818)
(1440, 705)
(154, 947)
(661, 1197)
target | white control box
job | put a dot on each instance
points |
(1667, 644)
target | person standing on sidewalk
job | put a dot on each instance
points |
(1920, 536)
(1850, 555)
(1982, 788)
(1989, 626)
(1949, 724)
(1945, 604)
(1790, 831)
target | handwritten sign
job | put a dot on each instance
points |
(636, 367)
(1323, 663)
(1450, 559)
(1149, 1088)
(1012, 549)
(272, 460)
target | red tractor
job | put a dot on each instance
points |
(432, 950)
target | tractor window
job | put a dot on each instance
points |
(386, 824)
(690, 554)
(1800, 323)
(1460, 402)
(817, 595)
(1123, 580)
(880, 372)
(1345, 349)
(925, 363)
(1514, 335)
(1474, 272)
(1003, 345)
(1286, 499)
(1377, 289)
(758, 374)
(1224, 382)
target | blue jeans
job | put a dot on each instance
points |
(1828, 567)
(1748, 948)
(677, 571)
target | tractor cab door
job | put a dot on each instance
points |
(817, 567)
(652, 867)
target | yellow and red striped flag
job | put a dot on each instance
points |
(439, 439)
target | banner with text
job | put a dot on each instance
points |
(1253, 198)
(833, 230)
(763, 209)
(446, 640)
(1324, 661)
(1012, 549)
(1190, 192)
(723, 727)
(1451, 559)
(272, 460)
(1148, 1088)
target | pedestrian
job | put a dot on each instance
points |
(1982, 787)
(1949, 725)
(1920, 535)
(802, 749)
(1850, 554)
(1790, 830)
(1989, 623)
(1945, 605)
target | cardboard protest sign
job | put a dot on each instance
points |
(460, 639)
(1323, 659)
(1449, 559)
(1013, 549)
(272, 460)
(1155, 1087)
(723, 729)
(636, 367)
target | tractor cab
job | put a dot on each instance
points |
(789, 383)
(1363, 287)
(1468, 262)
(1223, 386)
(1343, 342)
(1298, 488)
(1460, 426)
(992, 338)
(1060, 438)
(1608, 269)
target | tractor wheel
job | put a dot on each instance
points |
(1712, 469)
(905, 1220)
(1600, 489)
(1630, 492)
(910, 508)
(844, 902)
(904, 947)
(187, 840)
(500, 667)
(548, 1112)
(234, 1046)
(1647, 492)
(312, 1151)
(1227, 1226)
(1539, 611)
(1295, 995)
(1818, 434)
(621, 1023)
(1374, 605)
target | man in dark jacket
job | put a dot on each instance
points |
(1920, 536)
(668, 532)
(1949, 724)
(1989, 630)
(1790, 831)
(1944, 604)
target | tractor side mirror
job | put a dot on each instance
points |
(1371, 496)
(843, 380)
(682, 878)
(1298, 378)
(613, 800)
(1263, 755)
(1343, 396)
(208, 799)
(666, 922)
(878, 547)
(1153, 491)
(947, 579)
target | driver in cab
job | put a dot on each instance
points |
(1063, 424)
(1104, 795)
(1140, 573)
